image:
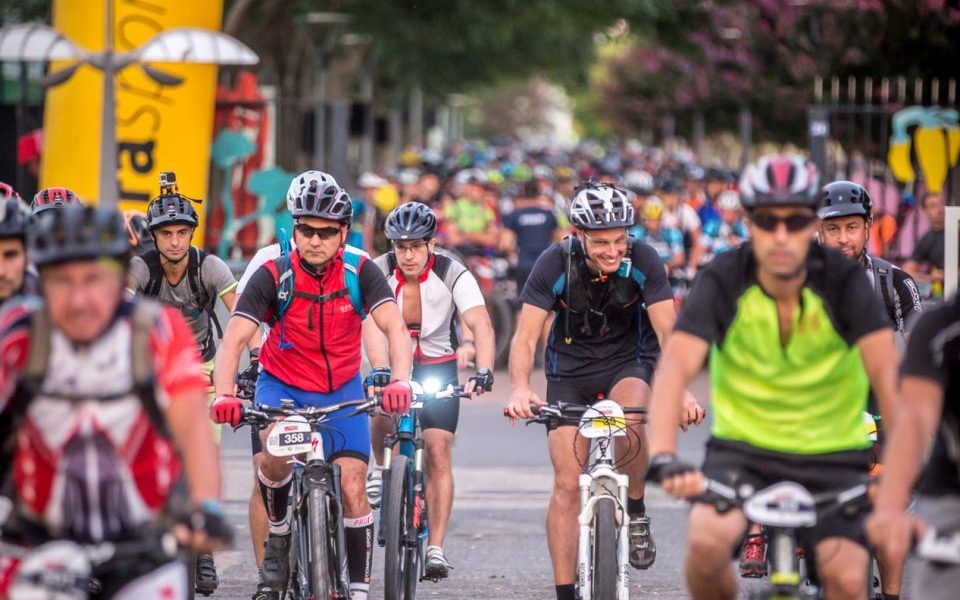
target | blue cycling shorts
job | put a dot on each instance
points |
(342, 436)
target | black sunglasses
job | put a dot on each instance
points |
(325, 233)
(794, 222)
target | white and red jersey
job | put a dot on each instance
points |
(446, 289)
(89, 463)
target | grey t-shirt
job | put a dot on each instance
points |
(215, 277)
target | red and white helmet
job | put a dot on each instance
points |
(7, 192)
(780, 180)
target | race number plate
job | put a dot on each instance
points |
(291, 436)
(603, 419)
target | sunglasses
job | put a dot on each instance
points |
(793, 222)
(325, 233)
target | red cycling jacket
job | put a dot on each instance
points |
(322, 325)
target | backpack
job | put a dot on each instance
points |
(286, 291)
(195, 258)
(30, 380)
(624, 291)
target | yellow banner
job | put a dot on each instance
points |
(159, 128)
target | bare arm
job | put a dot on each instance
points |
(522, 350)
(388, 318)
(375, 344)
(880, 357)
(239, 332)
(696, 249)
(683, 357)
(189, 424)
(663, 316)
(909, 440)
(478, 320)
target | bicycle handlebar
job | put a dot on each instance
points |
(566, 411)
(724, 497)
(259, 414)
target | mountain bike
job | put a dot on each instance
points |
(783, 509)
(603, 551)
(318, 557)
(68, 570)
(403, 507)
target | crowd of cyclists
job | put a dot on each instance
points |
(633, 267)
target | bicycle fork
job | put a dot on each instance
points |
(603, 483)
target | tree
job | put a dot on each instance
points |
(765, 55)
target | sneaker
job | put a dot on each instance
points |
(753, 560)
(643, 550)
(275, 569)
(207, 579)
(265, 592)
(436, 566)
(375, 487)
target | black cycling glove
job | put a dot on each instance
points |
(378, 377)
(483, 379)
(666, 465)
(211, 520)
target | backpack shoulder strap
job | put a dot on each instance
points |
(142, 322)
(352, 261)
(152, 258)
(207, 301)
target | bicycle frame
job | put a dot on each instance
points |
(410, 439)
(601, 482)
(313, 471)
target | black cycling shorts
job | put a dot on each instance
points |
(439, 414)
(587, 391)
(735, 463)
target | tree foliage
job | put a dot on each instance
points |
(765, 55)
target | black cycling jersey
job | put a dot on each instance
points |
(933, 353)
(609, 336)
(897, 289)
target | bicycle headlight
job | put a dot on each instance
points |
(431, 385)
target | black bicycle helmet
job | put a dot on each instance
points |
(76, 232)
(411, 221)
(844, 199)
(53, 197)
(13, 218)
(171, 209)
(601, 206)
(325, 201)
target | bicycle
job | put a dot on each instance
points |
(782, 509)
(403, 507)
(68, 570)
(318, 558)
(604, 548)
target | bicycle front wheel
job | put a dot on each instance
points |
(394, 519)
(605, 550)
(317, 532)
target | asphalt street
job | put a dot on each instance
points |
(496, 540)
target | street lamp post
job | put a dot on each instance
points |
(183, 45)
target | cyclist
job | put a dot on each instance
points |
(668, 242)
(312, 356)
(530, 229)
(725, 232)
(258, 516)
(927, 260)
(929, 388)
(15, 275)
(181, 275)
(432, 288)
(795, 337)
(471, 223)
(53, 197)
(101, 393)
(612, 303)
(846, 214)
